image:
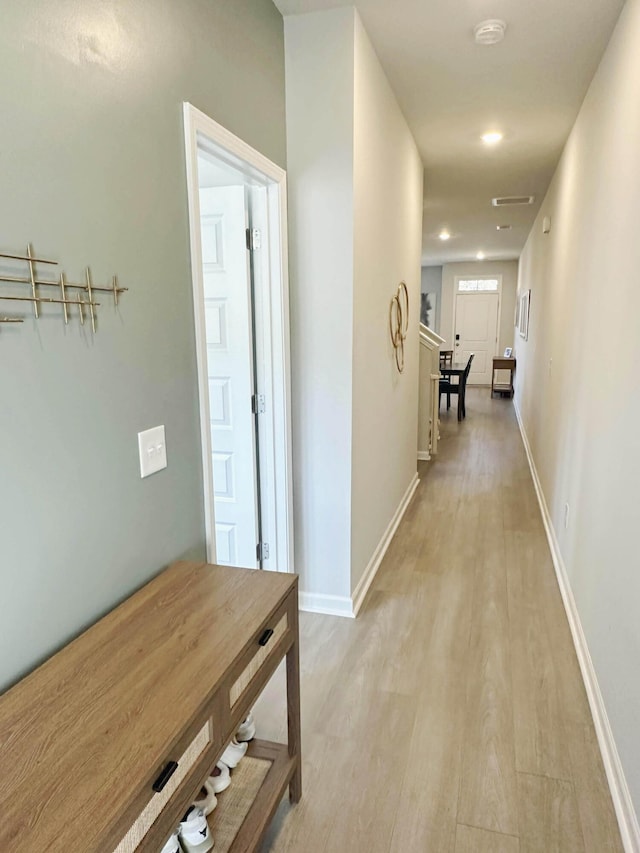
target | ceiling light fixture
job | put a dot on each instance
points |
(489, 32)
(480, 256)
(492, 137)
(444, 235)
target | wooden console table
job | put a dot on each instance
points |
(502, 363)
(165, 679)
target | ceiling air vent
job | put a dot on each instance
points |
(512, 199)
(503, 228)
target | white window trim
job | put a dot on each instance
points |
(487, 277)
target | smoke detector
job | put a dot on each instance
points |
(489, 32)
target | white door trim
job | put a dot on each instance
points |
(199, 127)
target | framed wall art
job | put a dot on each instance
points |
(523, 318)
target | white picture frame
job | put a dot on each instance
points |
(523, 318)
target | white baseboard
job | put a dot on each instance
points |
(424, 456)
(625, 812)
(369, 573)
(342, 605)
(330, 605)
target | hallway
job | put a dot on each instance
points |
(451, 715)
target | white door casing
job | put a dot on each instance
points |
(203, 134)
(265, 378)
(227, 306)
(476, 323)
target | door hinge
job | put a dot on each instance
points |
(254, 239)
(262, 551)
(258, 404)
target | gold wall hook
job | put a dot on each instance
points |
(91, 311)
(27, 258)
(46, 299)
(64, 297)
(32, 276)
(34, 283)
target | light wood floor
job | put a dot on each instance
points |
(451, 715)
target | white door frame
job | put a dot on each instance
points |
(456, 293)
(199, 130)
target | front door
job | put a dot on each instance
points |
(229, 337)
(477, 332)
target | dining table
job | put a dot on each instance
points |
(456, 368)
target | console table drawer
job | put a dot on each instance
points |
(266, 642)
(159, 800)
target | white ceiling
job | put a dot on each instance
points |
(451, 91)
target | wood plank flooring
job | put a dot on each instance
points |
(451, 715)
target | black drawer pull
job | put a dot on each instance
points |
(164, 777)
(264, 639)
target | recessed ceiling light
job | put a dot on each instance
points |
(480, 256)
(444, 235)
(492, 137)
(489, 32)
(503, 227)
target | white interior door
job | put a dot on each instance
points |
(477, 332)
(229, 337)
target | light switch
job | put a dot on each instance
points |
(153, 451)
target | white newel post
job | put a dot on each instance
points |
(434, 421)
(428, 425)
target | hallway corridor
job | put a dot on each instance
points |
(451, 715)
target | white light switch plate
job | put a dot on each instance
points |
(153, 451)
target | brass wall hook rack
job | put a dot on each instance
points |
(34, 282)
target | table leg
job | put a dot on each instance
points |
(293, 708)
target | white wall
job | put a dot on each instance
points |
(388, 187)
(356, 215)
(319, 89)
(578, 374)
(509, 272)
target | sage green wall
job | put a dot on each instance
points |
(92, 172)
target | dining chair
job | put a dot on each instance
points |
(446, 360)
(460, 387)
(445, 388)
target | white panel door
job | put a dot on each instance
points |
(477, 327)
(227, 298)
